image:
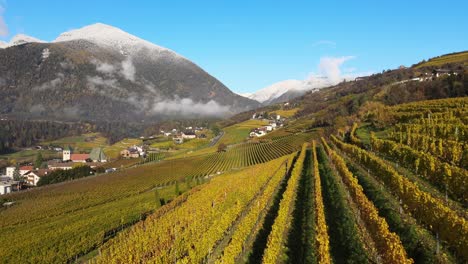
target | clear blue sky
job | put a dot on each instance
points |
(250, 44)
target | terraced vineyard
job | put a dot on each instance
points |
(391, 195)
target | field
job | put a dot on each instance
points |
(440, 61)
(286, 113)
(391, 194)
(84, 142)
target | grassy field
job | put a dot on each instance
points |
(440, 61)
(113, 151)
(29, 155)
(83, 143)
(287, 113)
(239, 132)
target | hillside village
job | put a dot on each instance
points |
(274, 122)
(19, 177)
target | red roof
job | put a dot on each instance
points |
(27, 168)
(79, 156)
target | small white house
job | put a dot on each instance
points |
(5, 188)
(167, 134)
(32, 178)
(269, 128)
(189, 135)
(278, 117)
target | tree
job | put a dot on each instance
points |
(177, 189)
(39, 160)
(221, 147)
(16, 174)
(216, 130)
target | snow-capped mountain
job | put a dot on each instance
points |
(103, 72)
(112, 38)
(20, 39)
(285, 90)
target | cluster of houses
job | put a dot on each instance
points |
(275, 122)
(178, 136)
(32, 175)
(133, 152)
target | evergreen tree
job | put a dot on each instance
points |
(16, 174)
(177, 190)
(39, 160)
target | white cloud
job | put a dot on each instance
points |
(330, 67)
(103, 67)
(128, 69)
(187, 107)
(3, 25)
(50, 84)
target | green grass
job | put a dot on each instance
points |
(113, 151)
(29, 155)
(440, 61)
(239, 132)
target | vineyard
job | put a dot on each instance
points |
(390, 194)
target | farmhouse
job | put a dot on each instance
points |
(129, 153)
(33, 177)
(189, 134)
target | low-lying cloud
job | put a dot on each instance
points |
(50, 84)
(153, 103)
(128, 70)
(330, 67)
(187, 107)
(125, 69)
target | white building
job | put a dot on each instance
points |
(66, 154)
(10, 171)
(189, 135)
(32, 178)
(5, 188)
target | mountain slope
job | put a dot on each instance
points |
(103, 73)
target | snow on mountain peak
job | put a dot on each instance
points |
(276, 90)
(110, 37)
(20, 39)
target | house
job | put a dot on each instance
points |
(178, 140)
(33, 177)
(83, 158)
(278, 117)
(60, 166)
(167, 134)
(189, 135)
(269, 128)
(5, 188)
(129, 153)
(25, 169)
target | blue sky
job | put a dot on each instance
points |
(251, 44)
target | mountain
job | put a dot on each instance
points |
(289, 89)
(100, 72)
